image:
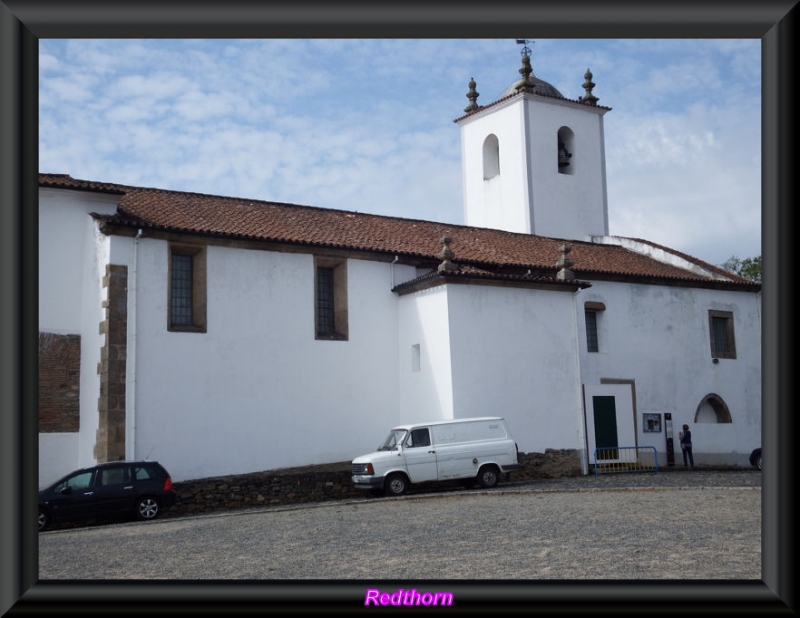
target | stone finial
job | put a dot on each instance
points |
(564, 263)
(588, 98)
(446, 254)
(472, 95)
(525, 82)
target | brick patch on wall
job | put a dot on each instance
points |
(59, 382)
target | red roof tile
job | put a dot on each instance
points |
(488, 249)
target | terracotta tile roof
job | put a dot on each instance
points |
(487, 249)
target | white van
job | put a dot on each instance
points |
(468, 449)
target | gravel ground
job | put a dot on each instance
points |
(669, 525)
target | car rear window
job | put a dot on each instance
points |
(145, 473)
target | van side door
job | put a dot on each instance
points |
(420, 456)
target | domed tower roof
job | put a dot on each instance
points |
(531, 82)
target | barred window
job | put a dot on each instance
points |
(591, 332)
(326, 324)
(591, 309)
(330, 298)
(723, 344)
(187, 289)
(181, 290)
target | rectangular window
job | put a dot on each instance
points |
(187, 289)
(181, 290)
(591, 332)
(723, 344)
(326, 324)
(330, 299)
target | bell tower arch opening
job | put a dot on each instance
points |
(491, 157)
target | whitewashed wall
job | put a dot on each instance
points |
(659, 337)
(513, 355)
(572, 205)
(426, 394)
(502, 202)
(65, 238)
(58, 455)
(72, 257)
(257, 391)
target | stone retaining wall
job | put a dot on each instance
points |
(328, 482)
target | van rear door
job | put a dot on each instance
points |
(420, 456)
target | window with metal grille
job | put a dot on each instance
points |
(187, 289)
(723, 344)
(181, 298)
(591, 332)
(326, 315)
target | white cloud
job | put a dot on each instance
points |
(367, 124)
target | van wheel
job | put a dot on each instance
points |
(396, 485)
(489, 476)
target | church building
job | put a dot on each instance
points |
(224, 335)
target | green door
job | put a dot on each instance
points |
(605, 426)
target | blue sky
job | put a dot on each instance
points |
(367, 124)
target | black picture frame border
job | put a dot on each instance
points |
(24, 22)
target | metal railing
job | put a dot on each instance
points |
(625, 459)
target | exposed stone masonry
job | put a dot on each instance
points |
(329, 482)
(110, 440)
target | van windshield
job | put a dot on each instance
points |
(395, 437)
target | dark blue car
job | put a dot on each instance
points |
(138, 489)
(755, 458)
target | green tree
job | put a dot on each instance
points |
(749, 268)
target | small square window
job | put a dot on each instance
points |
(415, 358)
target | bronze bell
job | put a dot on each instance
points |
(563, 155)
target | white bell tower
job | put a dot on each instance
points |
(534, 162)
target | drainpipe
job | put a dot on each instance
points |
(576, 305)
(391, 270)
(131, 364)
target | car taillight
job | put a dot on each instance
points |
(168, 484)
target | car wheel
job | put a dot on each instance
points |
(758, 462)
(489, 476)
(147, 508)
(396, 485)
(44, 520)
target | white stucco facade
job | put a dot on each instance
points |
(257, 391)
(656, 339)
(525, 192)
(72, 257)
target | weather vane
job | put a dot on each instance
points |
(526, 51)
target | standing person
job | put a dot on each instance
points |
(685, 437)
